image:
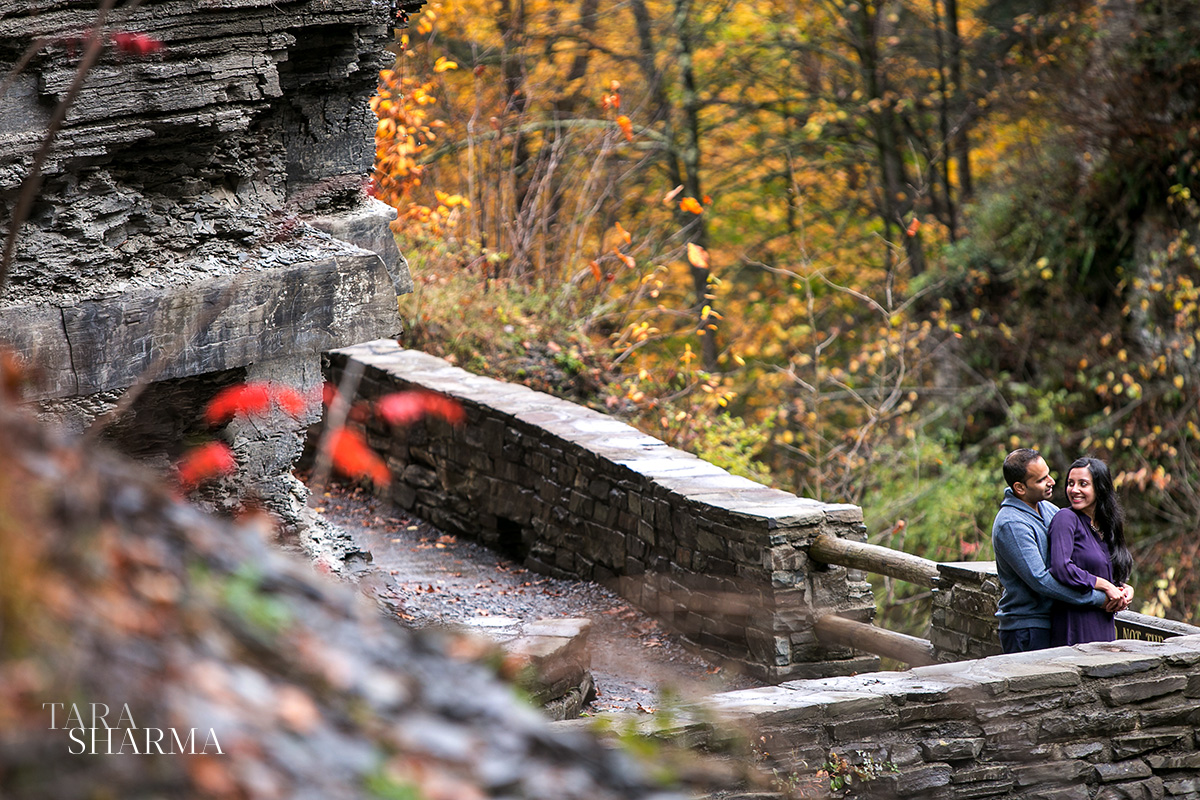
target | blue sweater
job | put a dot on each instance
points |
(1022, 544)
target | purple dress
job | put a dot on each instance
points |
(1077, 557)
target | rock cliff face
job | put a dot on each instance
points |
(202, 215)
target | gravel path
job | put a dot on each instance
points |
(435, 579)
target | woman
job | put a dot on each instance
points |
(1087, 549)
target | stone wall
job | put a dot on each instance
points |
(202, 217)
(575, 493)
(963, 620)
(1093, 722)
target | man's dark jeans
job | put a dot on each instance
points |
(1022, 640)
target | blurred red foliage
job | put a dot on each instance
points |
(251, 399)
(203, 463)
(405, 408)
(351, 456)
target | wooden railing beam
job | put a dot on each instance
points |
(910, 650)
(830, 549)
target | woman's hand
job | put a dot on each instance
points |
(1114, 592)
(1113, 606)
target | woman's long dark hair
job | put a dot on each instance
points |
(1108, 516)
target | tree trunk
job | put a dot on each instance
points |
(961, 145)
(696, 229)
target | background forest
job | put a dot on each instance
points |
(855, 250)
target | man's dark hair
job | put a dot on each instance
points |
(1016, 464)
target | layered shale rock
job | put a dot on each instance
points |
(202, 218)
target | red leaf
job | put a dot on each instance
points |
(351, 456)
(290, 400)
(329, 394)
(204, 463)
(405, 408)
(137, 44)
(913, 227)
(244, 399)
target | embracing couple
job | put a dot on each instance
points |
(1064, 571)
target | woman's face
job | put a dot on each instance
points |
(1081, 492)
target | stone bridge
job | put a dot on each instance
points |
(723, 562)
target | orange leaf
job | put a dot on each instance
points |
(624, 234)
(204, 463)
(626, 127)
(691, 204)
(245, 399)
(13, 375)
(596, 271)
(913, 227)
(350, 455)
(405, 408)
(697, 256)
(626, 260)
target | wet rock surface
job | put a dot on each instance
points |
(429, 579)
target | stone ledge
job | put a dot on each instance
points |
(108, 343)
(1043, 723)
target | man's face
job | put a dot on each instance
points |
(1038, 485)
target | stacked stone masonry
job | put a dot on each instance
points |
(1093, 722)
(963, 619)
(572, 492)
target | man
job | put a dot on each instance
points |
(1020, 537)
